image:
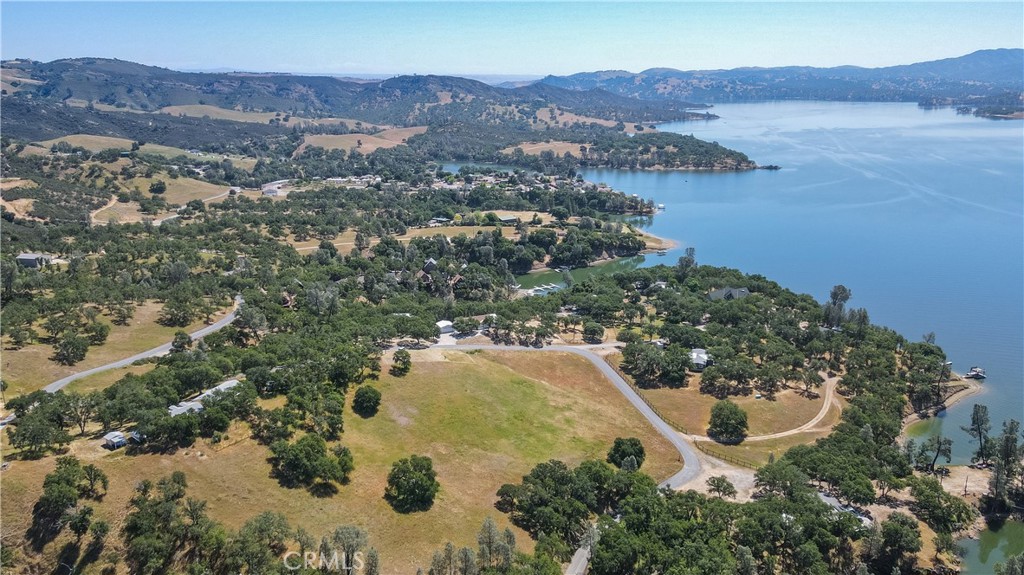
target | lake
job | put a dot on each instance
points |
(919, 212)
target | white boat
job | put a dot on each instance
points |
(975, 373)
(661, 206)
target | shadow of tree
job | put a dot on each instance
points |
(67, 558)
(322, 490)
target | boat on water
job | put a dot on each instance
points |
(975, 373)
(662, 252)
(661, 206)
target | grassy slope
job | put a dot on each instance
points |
(370, 143)
(757, 452)
(31, 368)
(481, 423)
(691, 409)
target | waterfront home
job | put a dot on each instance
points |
(728, 293)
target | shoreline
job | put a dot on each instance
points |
(660, 245)
(973, 388)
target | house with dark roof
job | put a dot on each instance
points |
(728, 293)
(34, 260)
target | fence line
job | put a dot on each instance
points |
(639, 392)
(725, 457)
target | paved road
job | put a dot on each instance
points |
(161, 350)
(691, 460)
(578, 565)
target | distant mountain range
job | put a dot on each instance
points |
(986, 76)
(95, 95)
(401, 100)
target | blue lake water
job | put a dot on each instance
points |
(919, 212)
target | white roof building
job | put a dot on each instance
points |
(217, 389)
(184, 407)
(114, 439)
(700, 358)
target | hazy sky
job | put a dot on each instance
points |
(504, 38)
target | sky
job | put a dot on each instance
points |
(504, 38)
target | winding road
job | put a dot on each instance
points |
(812, 425)
(156, 351)
(691, 460)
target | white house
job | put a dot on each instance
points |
(445, 326)
(700, 358)
(114, 440)
(217, 389)
(184, 407)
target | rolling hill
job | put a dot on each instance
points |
(983, 77)
(399, 101)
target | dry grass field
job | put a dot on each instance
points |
(691, 409)
(535, 148)
(20, 207)
(484, 418)
(758, 452)
(98, 143)
(105, 379)
(216, 113)
(90, 142)
(543, 118)
(13, 80)
(363, 143)
(400, 135)
(31, 368)
(242, 162)
(122, 213)
(180, 190)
